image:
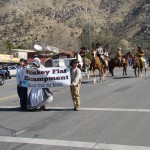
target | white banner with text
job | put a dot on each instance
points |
(47, 77)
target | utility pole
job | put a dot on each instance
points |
(89, 34)
(89, 27)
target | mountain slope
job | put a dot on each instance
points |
(60, 23)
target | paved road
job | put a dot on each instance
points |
(114, 115)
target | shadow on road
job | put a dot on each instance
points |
(59, 109)
(35, 110)
(125, 77)
(10, 109)
(87, 82)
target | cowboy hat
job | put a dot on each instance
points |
(23, 60)
(74, 61)
(119, 48)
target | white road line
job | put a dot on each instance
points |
(91, 109)
(119, 147)
(9, 106)
(20, 132)
(75, 144)
(113, 83)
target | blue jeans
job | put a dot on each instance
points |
(22, 93)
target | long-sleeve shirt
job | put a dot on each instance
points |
(19, 74)
(100, 51)
(75, 76)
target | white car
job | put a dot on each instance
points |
(12, 71)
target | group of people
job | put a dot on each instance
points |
(139, 53)
(75, 74)
(25, 99)
(37, 94)
(101, 52)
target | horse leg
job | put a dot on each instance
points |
(94, 75)
(126, 70)
(105, 72)
(135, 72)
(111, 71)
(123, 70)
(138, 72)
(101, 76)
(141, 72)
(145, 72)
(87, 73)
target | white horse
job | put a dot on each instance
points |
(79, 58)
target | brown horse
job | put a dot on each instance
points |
(139, 65)
(98, 65)
(115, 63)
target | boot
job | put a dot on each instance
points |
(42, 108)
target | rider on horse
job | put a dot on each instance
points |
(83, 55)
(140, 53)
(119, 56)
(82, 52)
(100, 53)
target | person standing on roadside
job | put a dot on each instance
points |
(76, 78)
(36, 93)
(22, 91)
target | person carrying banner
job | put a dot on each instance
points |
(22, 91)
(38, 96)
(76, 78)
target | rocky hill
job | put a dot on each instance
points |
(61, 23)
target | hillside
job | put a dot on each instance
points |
(61, 23)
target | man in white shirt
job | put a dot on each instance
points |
(100, 53)
(22, 91)
(76, 78)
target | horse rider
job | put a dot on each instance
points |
(100, 53)
(119, 56)
(83, 55)
(140, 54)
(82, 52)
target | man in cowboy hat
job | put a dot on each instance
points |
(140, 53)
(76, 78)
(119, 56)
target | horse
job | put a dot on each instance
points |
(114, 63)
(79, 58)
(97, 64)
(139, 65)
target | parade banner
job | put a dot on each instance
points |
(47, 77)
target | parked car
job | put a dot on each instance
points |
(2, 77)
(10, 71)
